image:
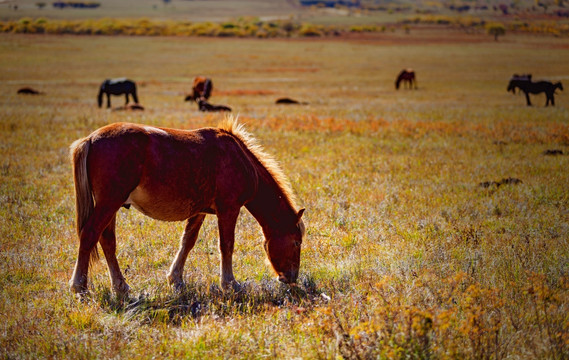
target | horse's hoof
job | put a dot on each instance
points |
(122, 289)
(230, 286)
(77, 288)
(176, 282)
(178, 287)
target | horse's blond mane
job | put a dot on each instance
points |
(232, 126)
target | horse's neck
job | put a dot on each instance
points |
(270, 205)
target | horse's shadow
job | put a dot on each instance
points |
(195, 300)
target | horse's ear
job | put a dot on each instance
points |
(299, 215)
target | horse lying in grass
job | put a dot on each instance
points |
(203, 105)
(289, 101)
(408, 78)
(29, 91)
(530, 87)
(176, 175)
(117, 87)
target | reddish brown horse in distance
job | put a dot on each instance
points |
(408, 77)
(176, 175)
(201, 89)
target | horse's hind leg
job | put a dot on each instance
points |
(527, 99)
(109, 244)
(188, 241)
(94, 227)
(134, 97)
(226, 224)
(108, 100)
(549, 99)
(126, 97)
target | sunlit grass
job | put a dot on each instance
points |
(406, 254)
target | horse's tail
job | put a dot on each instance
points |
(83, 195)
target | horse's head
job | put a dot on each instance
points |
(512, 86)
(283, 249)
(559, 86)
(102, 90)
(100, 97)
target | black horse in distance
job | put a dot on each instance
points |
(530, 87)
(117, 87)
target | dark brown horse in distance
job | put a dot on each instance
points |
(201, 89)
(530, 87)
(181, 175)
(117, 87)
(408, 78)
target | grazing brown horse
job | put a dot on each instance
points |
(201, 89)
(176, 175)
(408, 77)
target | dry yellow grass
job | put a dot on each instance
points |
(407, 256)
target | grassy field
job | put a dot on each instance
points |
(211, 10)
(406, 256)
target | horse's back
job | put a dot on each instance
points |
(118, 86)
(167, 174)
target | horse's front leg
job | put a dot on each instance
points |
(134, 97)
(109, 244)
(226, 224)
(188, 241)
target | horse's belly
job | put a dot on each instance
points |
(162, 206)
